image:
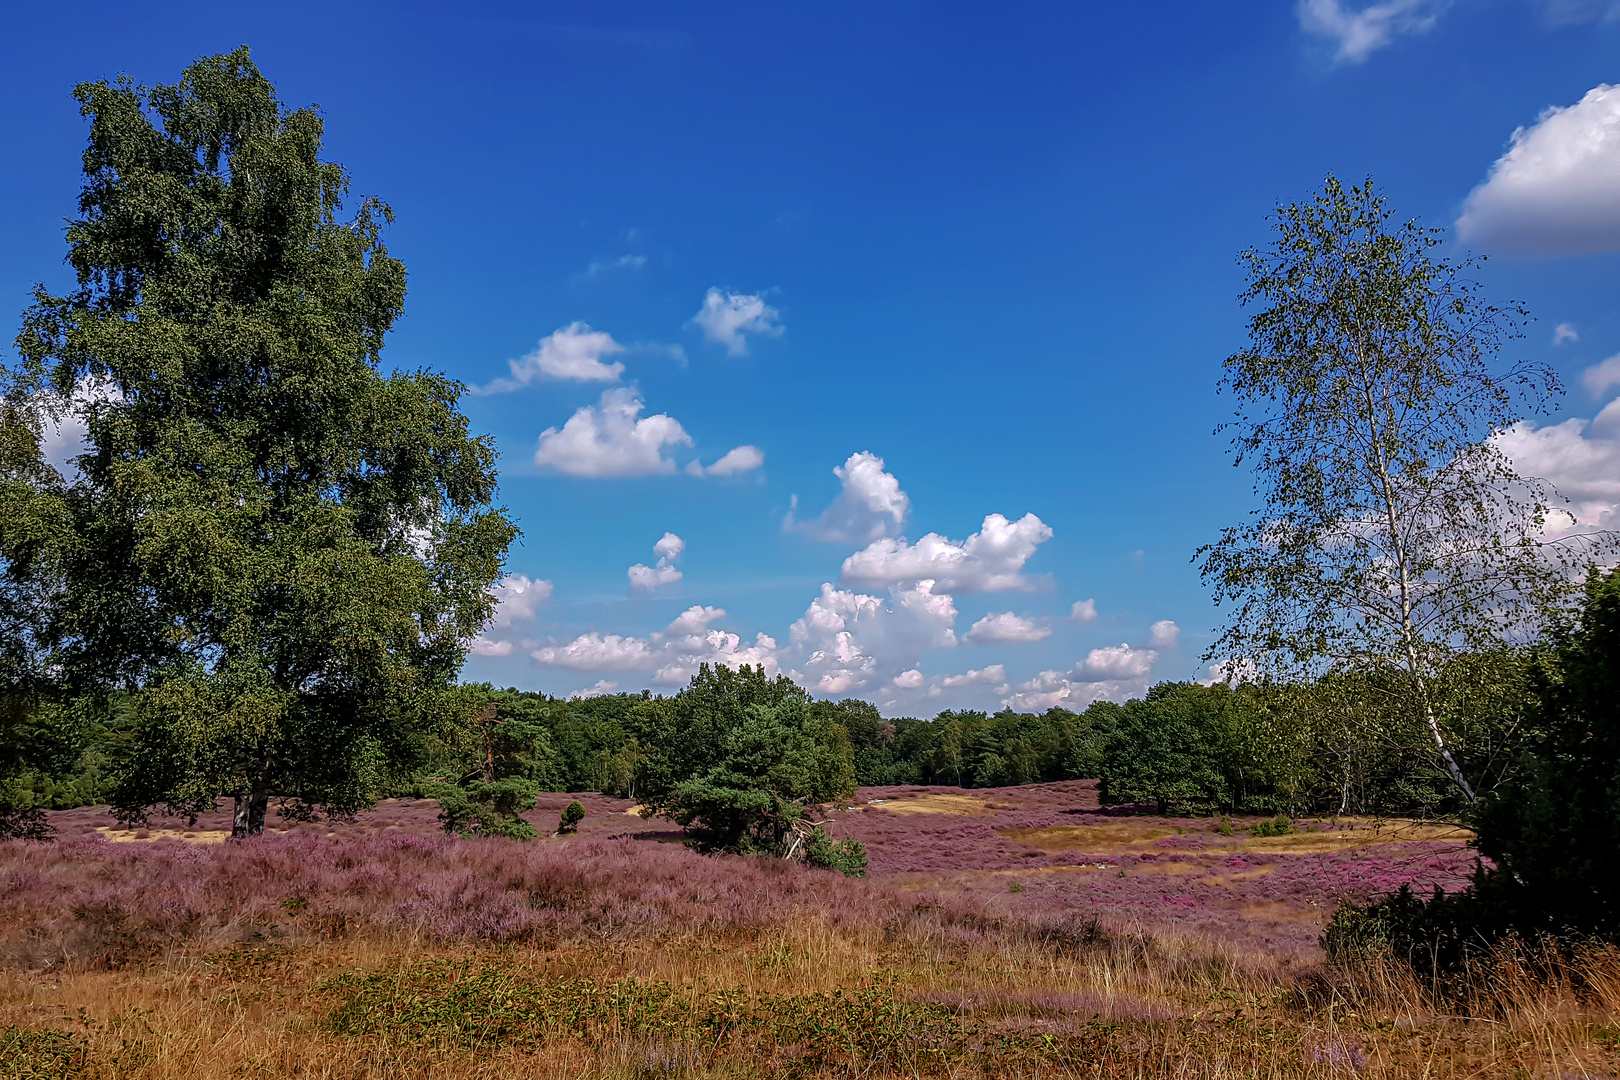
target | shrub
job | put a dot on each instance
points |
(1277, 826)
(847, 856)
(572, 815)
(487, 808)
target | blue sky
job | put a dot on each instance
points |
(979, 259)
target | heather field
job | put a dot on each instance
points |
(1000, 932)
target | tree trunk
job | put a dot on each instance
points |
(247, 817)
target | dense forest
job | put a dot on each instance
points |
(1338, 745)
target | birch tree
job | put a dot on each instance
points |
(1392, 532)
(277, 552)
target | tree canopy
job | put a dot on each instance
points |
(277, 549)
(1392, 531)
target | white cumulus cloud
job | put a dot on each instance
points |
(673, 654)
(1557, 189)
(727, 318)
(1111, 673)
(910, 679)
(1361, 31)
(1600, 378)
(1006, 627)
(990, 560)
(1580, 458)
(1564, 333)
(1084, 611)
(574, 353)
(612, 439)
(869, 506)
(644, 578)
(849, 640)
(992, 675)
(517, 597)
(732, 463)
(1164, 634)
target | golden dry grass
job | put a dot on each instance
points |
(1130, 1008)
(933, 804)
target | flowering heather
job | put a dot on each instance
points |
(1038, 852)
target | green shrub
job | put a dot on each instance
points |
(487, 808)
(847, 856)
(572, 815)
(1277, 826)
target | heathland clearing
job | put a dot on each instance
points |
(1037, 936)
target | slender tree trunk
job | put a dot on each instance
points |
(247, 817)
(1408, 631)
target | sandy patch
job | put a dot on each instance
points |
(935, 804)
(190, 836)
(1373, 834)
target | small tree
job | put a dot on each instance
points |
(279, 550)
(572, 815)
(754, 753)
(1392, 531)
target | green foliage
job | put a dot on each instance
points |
(572, 815)
(41, 1054)
(1393, 532)
(847, 856)
(1551, 829)
(1277, 826)
(486, 808)
(1548, 830)
(282, 550)
(754, 753)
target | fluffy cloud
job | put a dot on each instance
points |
(516, 599)
(1111, 673)
(733, 462)
(847, 640)
(1554, 191)
(597, 652)
(870, 506)
(726, 318)
(1164, 634)
(574, 352)
(1600, 378)
(1084, 611)
(993, 675)
(672, 654)
(910, 679)
(645, 578)
(990, 560)
(1115, 662)
(1361, 32)
(601, 689)
(608, 439)
(1564, 333)
(1006, 627)
(1580, 458)
(1057, 690)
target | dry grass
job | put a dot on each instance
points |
(933, 804)
(1011, 1004)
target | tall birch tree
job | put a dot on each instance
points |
(1392, 533)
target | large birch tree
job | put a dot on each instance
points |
(1393, 534)
(273, 551)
